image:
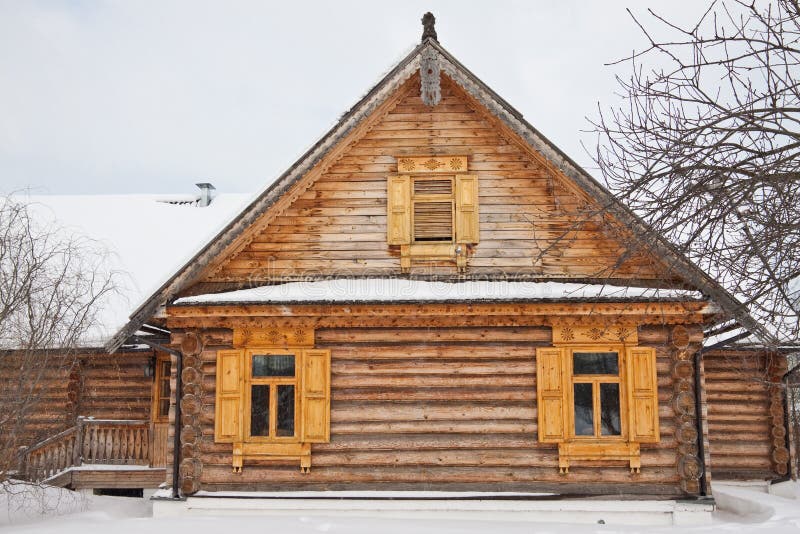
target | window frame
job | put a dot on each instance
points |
(273, 383)
(596, 380)
(159, 379)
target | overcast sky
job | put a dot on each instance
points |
(153, 96)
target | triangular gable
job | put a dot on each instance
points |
(310, 166)
(534, 223)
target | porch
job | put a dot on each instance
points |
(98, 453)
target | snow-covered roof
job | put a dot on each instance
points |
(402, 290)
(148, 237)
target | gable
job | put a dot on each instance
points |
(534, 223)
(638, 252)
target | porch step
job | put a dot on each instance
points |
(90, 476)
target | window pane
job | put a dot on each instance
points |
(273, 365)
(595, 363)
(285, 410)
(164, 392)
(584, 410)
(609, 410)
(259, 410)
(163, 408)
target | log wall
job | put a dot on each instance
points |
(745, 412)
(114, 386)
(457, 413)
(95, 385)
(49, 383)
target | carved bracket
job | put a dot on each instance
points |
(430, 77)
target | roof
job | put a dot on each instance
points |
(407, 67)
(147, 237)
(401, 290)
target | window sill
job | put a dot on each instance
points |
(272, 451)
(597, 451)
(445, 251)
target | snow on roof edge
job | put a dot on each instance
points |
(403, 290)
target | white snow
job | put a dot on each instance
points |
(393, 289)
(753, 512)
(362, 494)
(148, 239)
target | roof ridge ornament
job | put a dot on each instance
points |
(429, 27)
(430, 77)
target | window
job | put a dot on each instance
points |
(432, 210)
(272, 402)
(597, 400)
(595, 394)
(161, 389)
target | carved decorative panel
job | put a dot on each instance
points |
(595, 334)
(299, 334)
(429, 164)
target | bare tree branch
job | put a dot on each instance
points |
(706, 147)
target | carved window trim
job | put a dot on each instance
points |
(555, 395)
(233, 398)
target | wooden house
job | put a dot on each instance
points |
(435, 297)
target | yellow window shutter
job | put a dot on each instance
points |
(550, 394)
(467, 227)
(642, 395)
(398, 210)
(230, 382)
(316, 400)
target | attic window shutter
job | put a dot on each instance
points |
(230, 380)
(467, 227)
(398, 215)
(316, 401)
(642, 395)
(550, 396)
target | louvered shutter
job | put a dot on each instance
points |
(230, 384)
(642, 395)
(316, 400)
(550, 394)
(467, 227)
(398, 210)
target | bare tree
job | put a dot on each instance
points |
(51, 285)
(706, 148)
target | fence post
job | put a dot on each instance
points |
(77, 452)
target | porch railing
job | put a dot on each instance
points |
(90, 441)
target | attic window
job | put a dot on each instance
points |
(432, 210)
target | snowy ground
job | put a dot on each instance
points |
(40, 511)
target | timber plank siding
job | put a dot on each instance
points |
(531, 222)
